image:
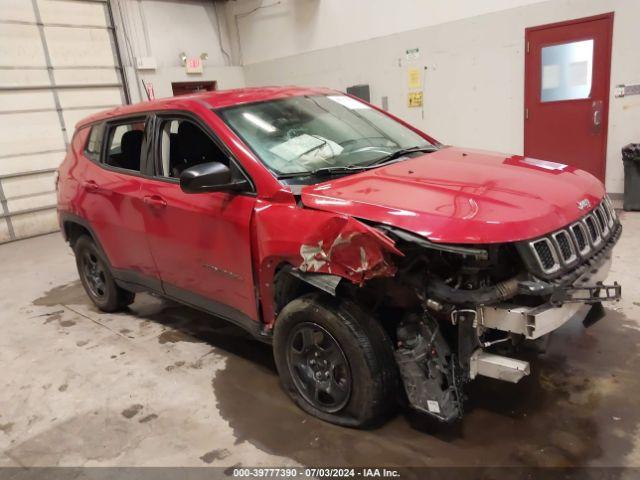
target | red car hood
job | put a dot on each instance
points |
(463, 196)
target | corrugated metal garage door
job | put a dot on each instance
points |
(58, 63)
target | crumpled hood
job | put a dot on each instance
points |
(458, 195)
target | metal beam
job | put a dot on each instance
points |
(62, 67)
(64, 25)
(28, 195)
(66, 109)
(8, 215)
(27, 174)
(59, 87)
(118, 55)
(27, 154)
(5, 214)
(52, 80)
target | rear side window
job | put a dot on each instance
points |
(124, 145)
(94, 144)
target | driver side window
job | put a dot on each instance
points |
(183, 144)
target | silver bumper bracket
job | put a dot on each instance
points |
(498, 367)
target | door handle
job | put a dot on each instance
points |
(91, 186)
(596, 118)
(155, 201)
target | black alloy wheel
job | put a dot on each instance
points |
(335, 361)
(96, 277)
(94, 273)
(319, 367)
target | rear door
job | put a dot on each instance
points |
(200, 242)
(567, 92)
(112, 199)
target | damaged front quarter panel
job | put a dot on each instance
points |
(346, 247)
(316, 242)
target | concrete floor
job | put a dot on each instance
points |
(165, 385)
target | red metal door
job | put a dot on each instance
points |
(567, 92)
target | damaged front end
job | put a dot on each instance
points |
(455, 312)
(478, 305)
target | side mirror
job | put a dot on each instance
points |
(209, 177)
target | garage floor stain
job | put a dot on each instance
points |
(575, 409)
(69, 294)
(567, 407)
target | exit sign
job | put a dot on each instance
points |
(194, 65)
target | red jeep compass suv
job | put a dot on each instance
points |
(373, 258)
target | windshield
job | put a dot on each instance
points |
(308, 133)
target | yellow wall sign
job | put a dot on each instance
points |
(415, 99)
(413, 78)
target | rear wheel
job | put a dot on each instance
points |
(335, 361)
(97, 279)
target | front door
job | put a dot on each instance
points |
(200, 242)
(567, 92)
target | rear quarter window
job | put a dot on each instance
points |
(94, 142)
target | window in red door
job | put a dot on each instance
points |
(567, 72)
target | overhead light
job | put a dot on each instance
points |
(258, 122)
(183, 58)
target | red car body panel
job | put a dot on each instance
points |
(202, 243)
(463, 196)
(227, 247)
(112, 202)
(315, 241)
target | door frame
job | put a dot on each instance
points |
(609, 16)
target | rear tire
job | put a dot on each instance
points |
(97, 279)
(344, 372)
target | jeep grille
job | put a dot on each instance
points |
(563, 249)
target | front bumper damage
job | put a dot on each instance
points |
(566, 302)
(436, 358)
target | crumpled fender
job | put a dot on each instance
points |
(346, 247)
(316, 242)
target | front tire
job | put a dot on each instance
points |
(97, 279)
(335, 361)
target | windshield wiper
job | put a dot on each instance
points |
(401, 153)
(358, 168)
(332, 170)
(324, 171)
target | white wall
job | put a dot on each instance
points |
(162, 29)
(281, 28)
(474, 77)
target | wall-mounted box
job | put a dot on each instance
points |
(626, 90)
(146, 63)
